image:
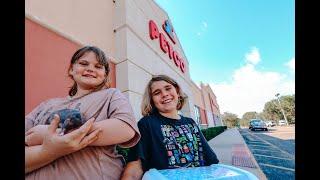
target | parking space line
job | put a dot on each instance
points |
(273, 157)
(259, 145)
(264, 150)
(256, 143)
(279, 167)
(290, 155)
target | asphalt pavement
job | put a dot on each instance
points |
(231, 149)
(273, 150)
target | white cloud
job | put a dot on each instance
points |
(253, 56)
(205, 25)
(250, 89)
(291, 64)
(203, 28)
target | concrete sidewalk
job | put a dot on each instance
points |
(231, 149)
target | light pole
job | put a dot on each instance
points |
(285, 118)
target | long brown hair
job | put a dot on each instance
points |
(101, 58)
(147, 105)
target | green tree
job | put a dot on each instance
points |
(288, 105)
(262, 116)
(230, 119)
(246, 118)
(272, 110)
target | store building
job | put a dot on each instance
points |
(137, 34)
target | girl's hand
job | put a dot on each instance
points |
(55, 145)
(34, 136)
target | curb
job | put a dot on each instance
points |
(252, 157)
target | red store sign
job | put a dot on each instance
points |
(165, 46)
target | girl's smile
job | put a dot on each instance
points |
(87, 72)
(165, 97)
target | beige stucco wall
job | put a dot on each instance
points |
(86, 22)
(197, 95)
(206, 101)
(215, 107)
(138, 57)
(211, 107)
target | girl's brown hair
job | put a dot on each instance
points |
(101, 58)
(147, 105)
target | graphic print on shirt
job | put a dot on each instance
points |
(183, 145)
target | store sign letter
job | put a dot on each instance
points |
(165, 45)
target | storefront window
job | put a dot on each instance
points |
(197, 114)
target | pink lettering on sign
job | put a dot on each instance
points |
(153, 30)
(165, 45)
(170, 50)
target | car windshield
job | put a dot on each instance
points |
(256, 121)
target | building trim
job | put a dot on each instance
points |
(55, 30)
(60, 33)
(127, 90)
(135, 65)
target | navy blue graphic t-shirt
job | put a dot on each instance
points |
(169, 143)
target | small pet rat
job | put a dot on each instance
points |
(69, 119)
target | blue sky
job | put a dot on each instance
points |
(244, 49)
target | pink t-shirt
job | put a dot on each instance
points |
(92, 162)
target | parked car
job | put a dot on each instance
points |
(255, 124)
(282, 123)
(270, 123)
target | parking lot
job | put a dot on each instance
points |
(274, 150)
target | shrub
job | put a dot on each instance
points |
(124, 152)
(212, 132)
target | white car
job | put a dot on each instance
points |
(270, 123)
(282, 123)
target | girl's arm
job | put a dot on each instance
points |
(55, 146)
(121, 125)
(119, 131)
(34, 136)
(132, 171)
(113, 131)
(35, 158)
